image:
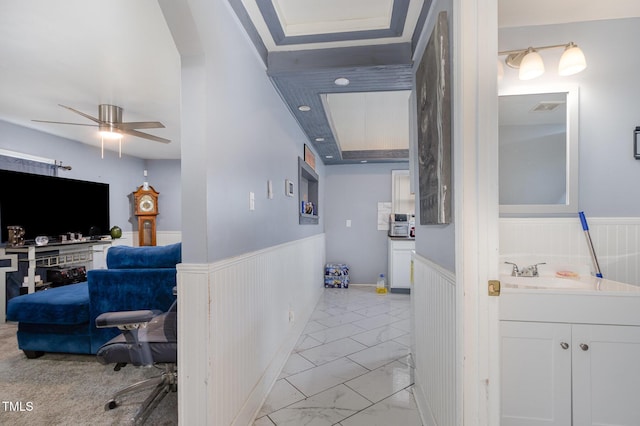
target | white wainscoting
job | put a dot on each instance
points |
(561, 240)
(163, 238)
(239, 320)
(434, 352)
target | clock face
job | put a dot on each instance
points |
(146, 203)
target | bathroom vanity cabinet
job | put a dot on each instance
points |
(555, 372)
(570, 357)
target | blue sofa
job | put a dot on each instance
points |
(62, 319)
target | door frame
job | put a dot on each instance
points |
(476, 214)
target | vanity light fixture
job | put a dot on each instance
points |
(530, 65)
(341, 81)
(304, 108)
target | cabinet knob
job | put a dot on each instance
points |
(564, 345)
(584, 346)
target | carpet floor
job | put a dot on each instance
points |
(68, 389)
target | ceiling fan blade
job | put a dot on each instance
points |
(81, 113)
(140, 125)
(145, 136)
(62, 122)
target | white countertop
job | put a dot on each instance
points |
(581, 284)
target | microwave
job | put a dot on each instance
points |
(398, 225)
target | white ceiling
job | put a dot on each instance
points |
(370, 121)
(83, 53)
(518, 13)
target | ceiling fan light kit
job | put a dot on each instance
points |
(530, 65)
(111, 127)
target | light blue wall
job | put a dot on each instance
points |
(243, 137)
(123, 175)
(353, 192)
(164, 176)
(609, 107)
(435, 242)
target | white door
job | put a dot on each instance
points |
(606, 375)
(535, 373)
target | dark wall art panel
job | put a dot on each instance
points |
(434, 127)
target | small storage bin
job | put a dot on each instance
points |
(336, 275)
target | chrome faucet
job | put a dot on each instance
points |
(528, 271)
(515, 272)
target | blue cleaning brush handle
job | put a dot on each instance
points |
(585, 227)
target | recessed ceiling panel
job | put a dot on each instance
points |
(304, 17)
(367, 121)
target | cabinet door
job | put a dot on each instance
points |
(535, 374)
(401, 264)
(606, 375)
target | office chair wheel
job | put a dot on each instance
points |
(110, 405)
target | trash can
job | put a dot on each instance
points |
(336, 275)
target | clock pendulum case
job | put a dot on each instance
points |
(145, 201)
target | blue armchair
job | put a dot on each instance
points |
(62, 319)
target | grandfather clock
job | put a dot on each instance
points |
(145, 200)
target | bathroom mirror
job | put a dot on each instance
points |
(538, 151)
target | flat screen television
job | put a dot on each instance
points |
(52, 206)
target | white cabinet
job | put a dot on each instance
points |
(555, 372)
(536, 373)
(400, 251)
(606, 375)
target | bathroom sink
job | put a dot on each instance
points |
(550, 282)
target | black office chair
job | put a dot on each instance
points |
(148, 338)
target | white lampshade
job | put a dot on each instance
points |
(572, 61)
(110, 135)
(108, 131)
(531, 65)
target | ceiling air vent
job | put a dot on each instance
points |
(547, 106)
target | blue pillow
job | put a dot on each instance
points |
(125, 257)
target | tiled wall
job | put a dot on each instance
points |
(561, 240)
(434, 349)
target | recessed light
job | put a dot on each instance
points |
(319, 139)
(304, 108)
(328, 156)
(363, 161)
(341, 81)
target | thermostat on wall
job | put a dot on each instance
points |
(288, 188)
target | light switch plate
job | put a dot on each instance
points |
(252, 201)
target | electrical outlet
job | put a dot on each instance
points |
(348, 223)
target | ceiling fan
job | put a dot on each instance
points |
(110, 124)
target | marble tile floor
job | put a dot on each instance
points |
(351, 366)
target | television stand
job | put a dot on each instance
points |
(56, 255)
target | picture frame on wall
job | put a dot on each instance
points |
(309, 157)
(288, 188)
